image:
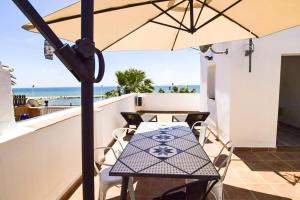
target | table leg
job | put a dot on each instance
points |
(196, 191)
(124, 187)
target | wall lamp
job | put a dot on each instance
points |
(205, 48)
(249, 52)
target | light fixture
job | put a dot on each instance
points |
(205, 48)
(48, 50)
(249, 52)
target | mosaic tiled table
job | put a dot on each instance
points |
(163, 150)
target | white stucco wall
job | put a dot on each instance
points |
(6, 100)
(219, 108)
(251, 108)
(41, 157)
(170, 101)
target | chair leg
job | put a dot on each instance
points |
(102, 195)
(131, 189)
(102, 192)
(217, 191)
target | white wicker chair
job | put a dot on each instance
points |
(202, 131)
(119, 134)
(105, 180)
(222, 161)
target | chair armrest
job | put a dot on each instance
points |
(110, 148)
(198, 122)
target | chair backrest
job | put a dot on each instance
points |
(100, 157)
(202, 134)
(222, 161)
(201, 131)
(119, 134)
(196, 116)
(132, 118)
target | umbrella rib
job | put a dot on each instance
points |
(218, 15)
(179, 27)
(170, 8)
(171, 26)
(230, 19)
(203, 4)
(106, 10)
(169, 15)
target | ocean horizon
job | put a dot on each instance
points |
(62, 93)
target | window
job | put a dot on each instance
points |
(211, 79)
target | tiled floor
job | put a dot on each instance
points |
(288, 136)
(251, 176)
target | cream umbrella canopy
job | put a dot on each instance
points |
(175, 24)
(147, 25)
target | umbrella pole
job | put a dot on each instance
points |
(87, 105)
(79, 60)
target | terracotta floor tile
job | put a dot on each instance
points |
(272, 177)
(239, 165)
(263, 191)
(287, 155)
(247, 156)
(250, 177)
(258, 166)
(279, 166)
(265, 155)
(287, 190)
(237, 192)
(295, 164)
(232, 178)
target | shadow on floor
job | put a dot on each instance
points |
(148, 188)
(284, 164)
(232, 192)
(288, 135)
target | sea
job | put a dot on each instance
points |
(65, 96)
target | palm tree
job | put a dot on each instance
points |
(134, 80)
(161, 90)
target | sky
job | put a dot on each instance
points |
(23, 51)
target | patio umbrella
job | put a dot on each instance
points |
(175, 24)
(114, 25)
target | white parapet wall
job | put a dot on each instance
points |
(41, 158)
(7, 118)
(170, 102)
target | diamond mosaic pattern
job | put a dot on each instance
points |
(179, 132)
(129, 151)
(164, 168)
(184, 156)
(163, 151)
(189, 137)
(135, 161)
(120, 168)
(137, 137)
(206, 171)
(145, 143)
(163, 137)
(181, 144)
(186, 162)
(198, 151)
